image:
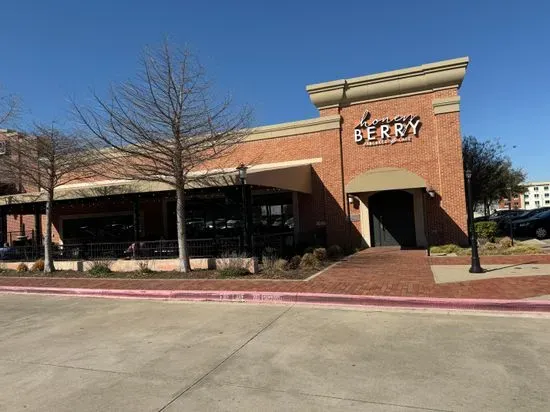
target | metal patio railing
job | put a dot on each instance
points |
(279, 244)
(159, 249)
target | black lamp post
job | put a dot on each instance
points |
(246, 232)
(510, 216)
(476, 266)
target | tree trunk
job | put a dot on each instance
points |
(183, 258)
(48, 261)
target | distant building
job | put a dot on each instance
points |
(517, 203)
(537, 195)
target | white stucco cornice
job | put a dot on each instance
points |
(424, 78)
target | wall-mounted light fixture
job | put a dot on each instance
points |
(430, 191)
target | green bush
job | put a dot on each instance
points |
(320, 253)
(334, 252)
(294, 263)
(3, 267)
(445, 249)
(309, 261)
(100, 268)
(309, 249)
(233, 271)
(486, 230)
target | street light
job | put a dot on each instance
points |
(510, 216)
(476, 266)
(242, 177)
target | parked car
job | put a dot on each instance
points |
(537, 226)
(499, 215)
(505, 223)
(7, 253)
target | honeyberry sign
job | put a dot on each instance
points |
(386, 130)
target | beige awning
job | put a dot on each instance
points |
(385, 178)
(295, 178)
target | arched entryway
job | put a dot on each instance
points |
(392, 219)
(391, 203)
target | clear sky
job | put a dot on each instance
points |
(265, 53)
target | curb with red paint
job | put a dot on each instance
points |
(299, 298)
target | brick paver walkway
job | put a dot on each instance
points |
(378, 271)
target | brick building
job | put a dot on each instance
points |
(380, 165)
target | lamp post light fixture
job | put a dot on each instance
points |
(242, 173)
(244, 203)
(476, 266)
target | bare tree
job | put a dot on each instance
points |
(9, 108)
(45, 160)
(163, 125)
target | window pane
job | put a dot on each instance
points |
(276, 210)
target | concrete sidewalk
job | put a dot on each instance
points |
(67, 354)
(460, 273)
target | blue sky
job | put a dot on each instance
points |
(265, 53)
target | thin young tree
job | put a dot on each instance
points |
(164, 124)
(44, 160)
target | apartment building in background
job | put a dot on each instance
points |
(537, 195)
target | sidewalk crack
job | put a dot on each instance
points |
(207, 374)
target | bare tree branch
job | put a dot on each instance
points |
(163, 125)
(43, 161)
(9, 108)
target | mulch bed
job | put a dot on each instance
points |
(298, 274)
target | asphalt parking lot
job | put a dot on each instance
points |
(83, 354)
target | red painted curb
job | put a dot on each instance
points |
(300, 298)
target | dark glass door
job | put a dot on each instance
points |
(392, 219)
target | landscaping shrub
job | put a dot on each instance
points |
(38, 266)
(270, 253)
(294, 263)
(320, 253)
(522, 250)
(446, 249)
(495, 250)
(490, 246)
(334, 252)
(268, 262)
(100, 268)
(233, 264)
(22, 268)
(232, 271)
(144, 269)
(309, 249)
(3, 267)
(309, 261)
(505, 242)
(280, 265)
(486, 230)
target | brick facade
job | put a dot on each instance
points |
(435, 155)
